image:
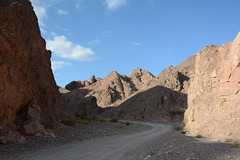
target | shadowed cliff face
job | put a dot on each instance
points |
(26, 81)
(214, 94)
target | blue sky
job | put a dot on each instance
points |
(95, 37)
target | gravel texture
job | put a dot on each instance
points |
(178, 146)
(67, 134)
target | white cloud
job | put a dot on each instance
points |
(112, 5)
(136, 43)
(66, 49)
(59, 64)
(62, 12)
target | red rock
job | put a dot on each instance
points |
(25, 68)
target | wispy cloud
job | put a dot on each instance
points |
(62, 12)
(113, 5)
(79, 5)
(59, 64)
(136, 43)
(66, 49)
(40, 7)
(95, 41)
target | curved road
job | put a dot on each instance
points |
(117, 147)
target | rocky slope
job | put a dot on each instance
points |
(28, 92)
(214, 97)
(81, 106)
(161, 99)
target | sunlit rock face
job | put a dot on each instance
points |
(28, 92)
(214, 94)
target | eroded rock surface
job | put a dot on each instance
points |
(28, 92)
(214, 97)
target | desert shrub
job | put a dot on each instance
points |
(178, 128)
(101, 119)
(50, 125)
(68, 122)
(91, 118)
(121, 122)
(228, 140)
(199, 136)
(236, 145)
(114, 120)
(81, 116)
(83, 121)
(184, 131)
(127, 123)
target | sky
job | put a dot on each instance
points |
(95, 37)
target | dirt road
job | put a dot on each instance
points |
(117, 147)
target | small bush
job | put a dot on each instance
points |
(101, 119)
(122, 122)
(199, 136)
(50, 125)
(91, 118)
(127, 123)
(114, 120)
(228, 140)
(80, 116)
(235, 145)
(178, 128)
(83, 121)
(68, 122)
(185, 131)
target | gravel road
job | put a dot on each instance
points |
(123, 146)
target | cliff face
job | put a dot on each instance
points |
(214, 94)
(27, 85)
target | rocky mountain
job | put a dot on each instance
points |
(163, 98)
(28, 92)
(113, 89)
(214, 93)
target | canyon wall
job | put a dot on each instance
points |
(28, 92)
(214, 93)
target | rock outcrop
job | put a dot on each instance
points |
(77, 84)
(28, 92)
(84, 106)
(214, 94)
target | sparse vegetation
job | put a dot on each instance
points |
(228, 140)
(68, 122)
(122, 122)
(127, 123)
(81, 116)
(178, 128)
(91, 118)
(83, 121)
(101, 119)
(114, 120)
(199, 136)
(50, 125)
(184, 131)
(236, 145)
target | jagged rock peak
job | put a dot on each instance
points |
(138, 72)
